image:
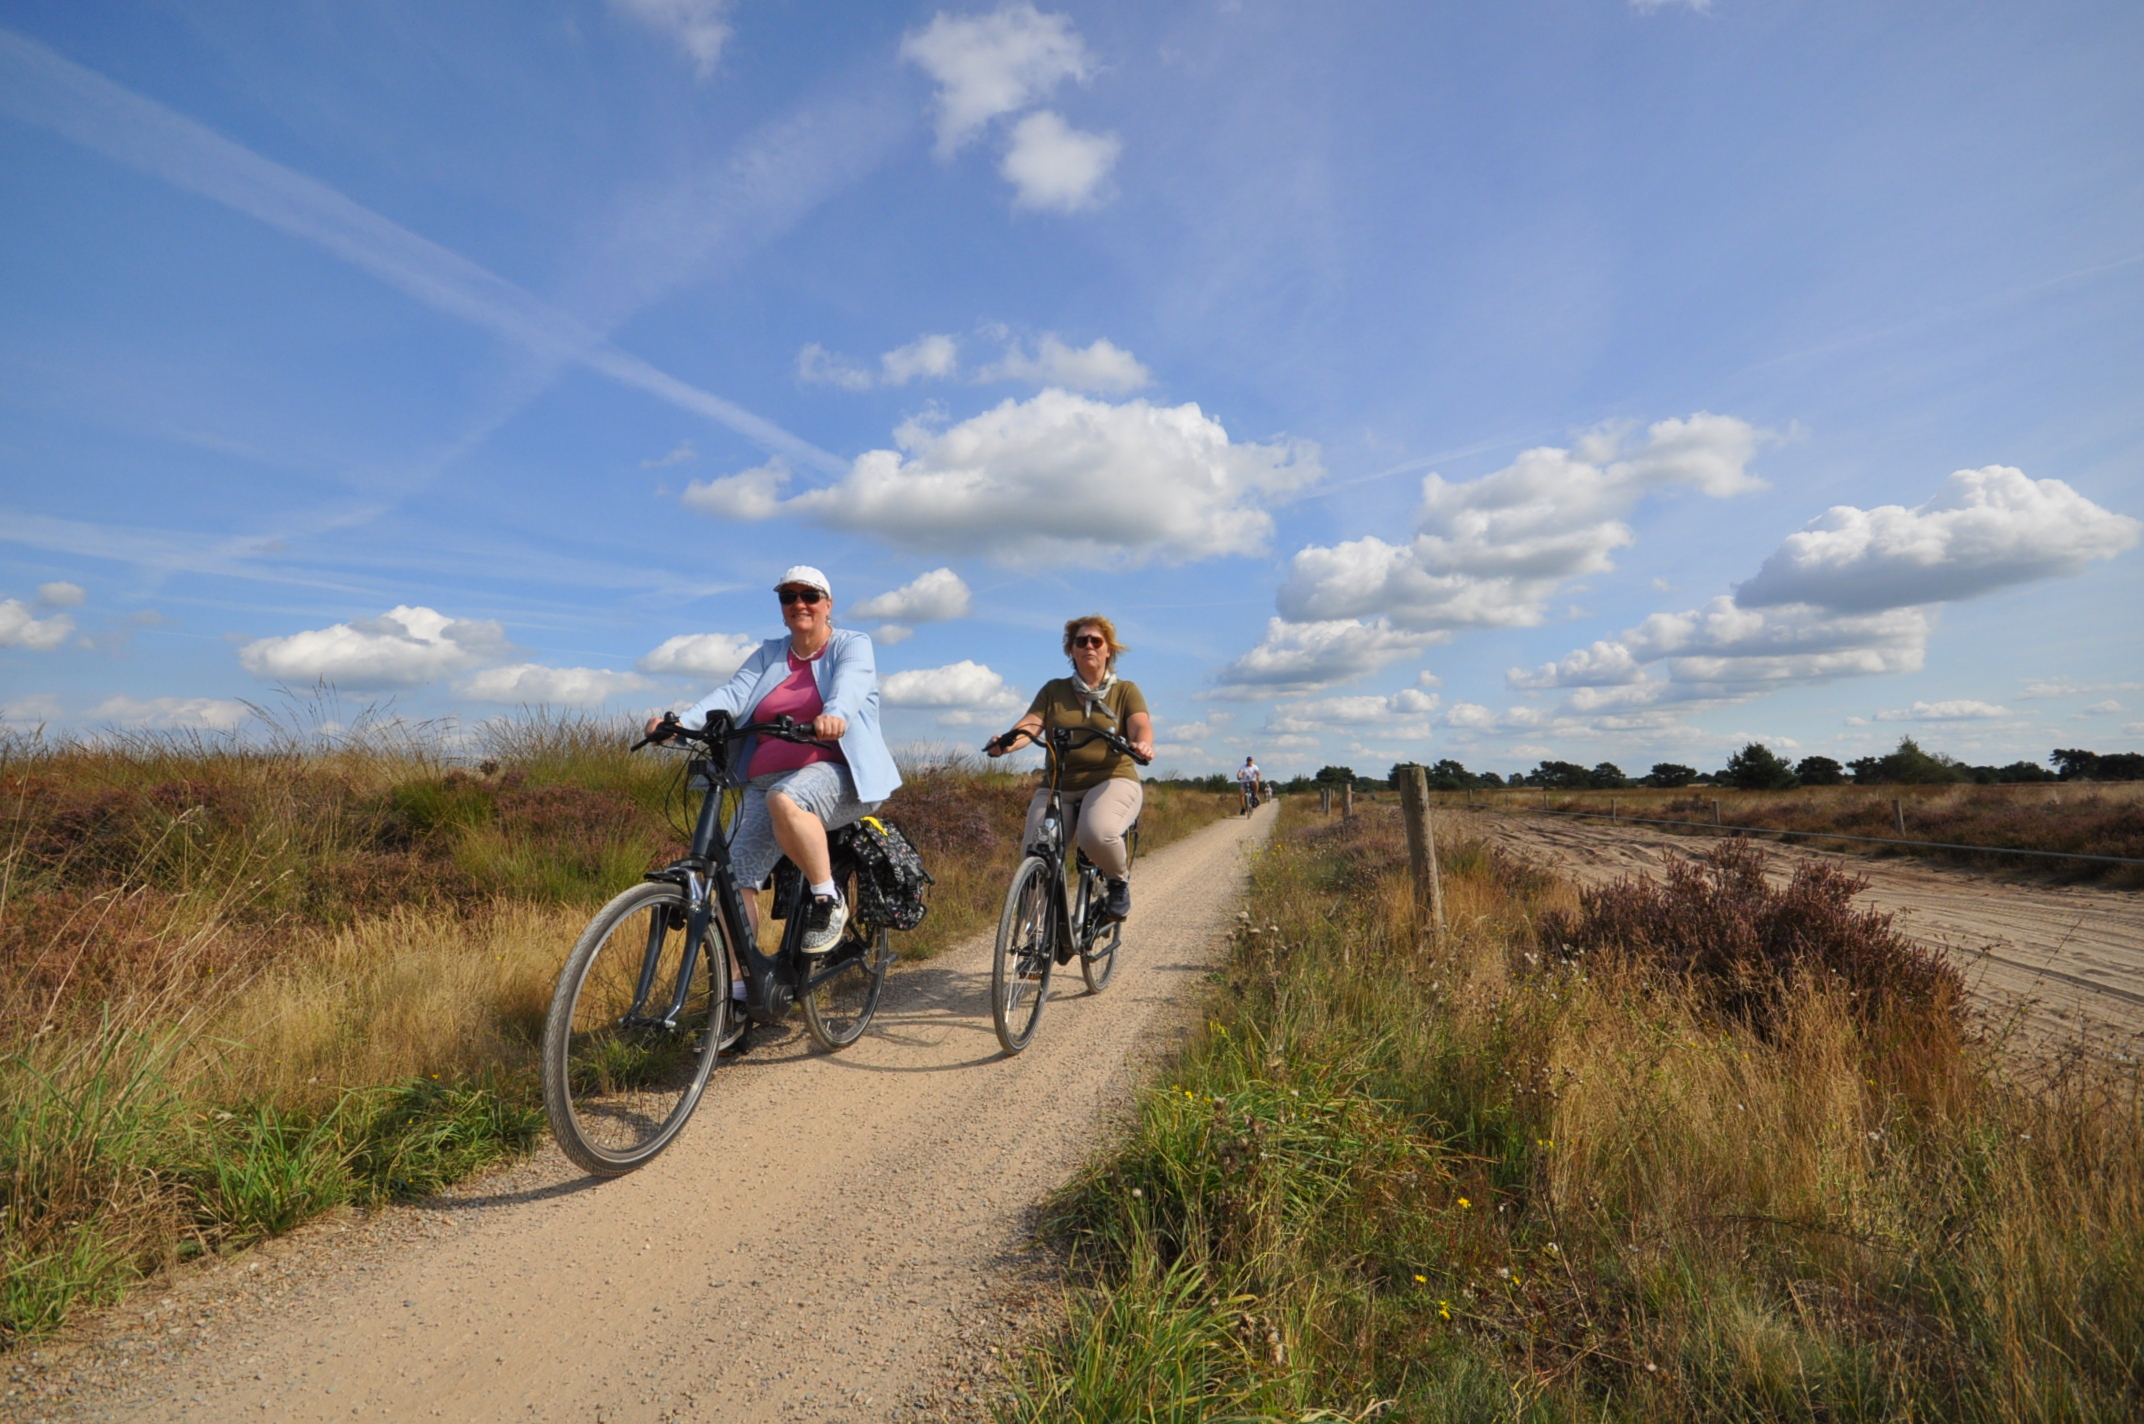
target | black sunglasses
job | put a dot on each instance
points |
(798, 595)
(1090, 640)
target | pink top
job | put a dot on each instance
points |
(797, 695)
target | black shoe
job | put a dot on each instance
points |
(823, 919)
(1117, 904)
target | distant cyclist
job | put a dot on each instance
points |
(824, 678)
(1101, 791)
(1253, 783)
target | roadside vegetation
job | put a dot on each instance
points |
(1703, 1149)
(245, 982)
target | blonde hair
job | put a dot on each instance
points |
(1095, 620)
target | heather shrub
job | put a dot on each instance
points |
(1746, 946)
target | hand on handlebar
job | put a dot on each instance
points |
(1008, 742)
(658, 729)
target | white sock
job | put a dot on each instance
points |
(737, 990)
(825, 887)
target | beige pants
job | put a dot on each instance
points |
(1098, 817)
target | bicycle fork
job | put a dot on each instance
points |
(661, 922)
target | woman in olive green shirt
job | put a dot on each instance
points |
(1100, 789)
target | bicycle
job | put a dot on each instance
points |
(1041, 927)
(642, 1008)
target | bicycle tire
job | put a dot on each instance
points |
(838, 1008)
(1021, 966)
(1098, 957)
(618, 1093)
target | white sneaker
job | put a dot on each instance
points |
(823, 919)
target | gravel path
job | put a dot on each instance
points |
(2067, 962)
(834, 1238)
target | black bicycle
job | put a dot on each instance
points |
(643, 1009)
(1043, 925)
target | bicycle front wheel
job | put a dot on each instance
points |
(1020, 970)
(842, 990)
(632, 1032)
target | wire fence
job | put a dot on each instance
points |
(1817, 835)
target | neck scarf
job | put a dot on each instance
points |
(1095, 697)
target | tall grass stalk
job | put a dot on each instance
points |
(1514, 1180)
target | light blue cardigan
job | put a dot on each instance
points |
(846, 671)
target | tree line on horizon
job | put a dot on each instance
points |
(1754, 768)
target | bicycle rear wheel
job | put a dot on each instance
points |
(1020, 970)
(1098, 956)
(622, 1072)
(841, 993)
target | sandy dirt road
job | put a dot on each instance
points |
(2067, 961)
(827, 1233)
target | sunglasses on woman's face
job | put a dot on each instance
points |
(806, 596)
(1089, 640)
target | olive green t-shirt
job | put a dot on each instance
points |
(1058, 704)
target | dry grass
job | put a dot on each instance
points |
(1514, 1178)
(240, 985)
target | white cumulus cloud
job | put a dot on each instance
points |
(934, 597)
(61, 595)
(1056, 167)
(750, 494)
(932, 356)
(987, 66)
(173, 713)
(1400, 713)
(714, 656)
(30, 709)
(1961, 710)
(401, 648)
(533, 683)
(1101, 366)
(700, 28)
(20, 629)
(1053, 480)
(1491, 552)
(1986, 529)
(961, 693)
(1853, 593)
(1294, 658)
(1601, 665)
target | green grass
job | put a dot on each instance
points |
(1496, 1180)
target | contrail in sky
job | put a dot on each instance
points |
(42, 88)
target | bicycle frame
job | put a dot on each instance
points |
(1056, 742)
(772, 981)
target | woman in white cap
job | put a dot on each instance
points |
(824, 678)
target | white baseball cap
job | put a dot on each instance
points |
(807, 576)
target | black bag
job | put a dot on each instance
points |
(889, 875)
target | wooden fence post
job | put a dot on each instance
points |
(1898, 812)
(1347, 801)
(1715, 810)
(1325, 800)
(1422, 846)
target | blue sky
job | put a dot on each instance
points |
(1577, 378)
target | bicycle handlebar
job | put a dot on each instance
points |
(1091, 734)
(719, 729)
